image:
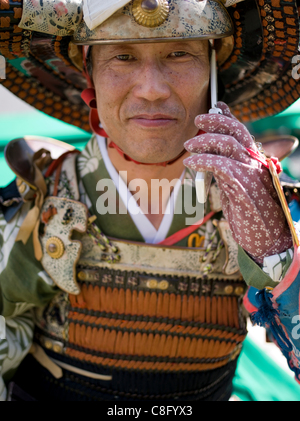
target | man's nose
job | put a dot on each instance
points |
(152, 82)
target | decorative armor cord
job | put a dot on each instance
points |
(102, 241)
(266, 317)
(209, 267)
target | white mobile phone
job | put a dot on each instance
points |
(203, 178)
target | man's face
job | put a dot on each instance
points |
(148, 95)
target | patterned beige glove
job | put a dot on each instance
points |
(249, 200)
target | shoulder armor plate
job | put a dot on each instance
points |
(20, 153)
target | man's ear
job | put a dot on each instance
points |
(88, 65)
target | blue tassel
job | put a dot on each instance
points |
(265, 317)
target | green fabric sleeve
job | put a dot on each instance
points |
(21, 282)
(253, 274)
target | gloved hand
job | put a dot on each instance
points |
(249, 201)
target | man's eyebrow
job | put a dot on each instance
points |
(194, 46)
(112, 49)
(185, 44)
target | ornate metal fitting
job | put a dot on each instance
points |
(51, 344)
(163, 285)
(55, 247)
(154, 284)
(88, 275)
(150, 13)
(239, 291)
(81, 275)
(228, 290)
(260, 147)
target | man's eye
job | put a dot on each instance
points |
(125, 57)
(178, 54)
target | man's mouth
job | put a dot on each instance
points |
(153, 120)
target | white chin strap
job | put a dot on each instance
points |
(203, 179)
